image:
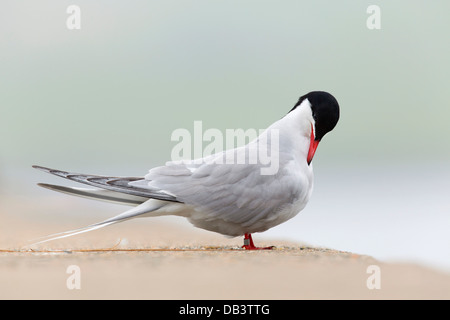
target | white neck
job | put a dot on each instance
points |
(295, 129)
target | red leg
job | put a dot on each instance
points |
(249, 245)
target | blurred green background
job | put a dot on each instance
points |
(105, 99)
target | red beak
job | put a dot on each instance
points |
(312, 146)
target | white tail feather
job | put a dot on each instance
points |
(146, 207)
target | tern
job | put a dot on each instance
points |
(233, 199)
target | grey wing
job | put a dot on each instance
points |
(116, 184)
(97, 194)
(235, 193)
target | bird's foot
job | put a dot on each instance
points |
(249, 245)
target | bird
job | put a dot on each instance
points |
(229, 198)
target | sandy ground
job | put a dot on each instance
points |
(154, 259)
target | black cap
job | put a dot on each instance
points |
(325, 111)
